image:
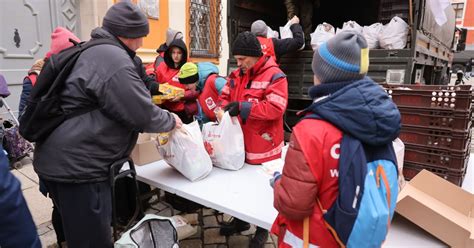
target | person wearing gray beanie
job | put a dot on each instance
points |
(125, 19)
(345, 57)
(275, 47)
(259, 28)
(106, 90)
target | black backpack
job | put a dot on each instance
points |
(43, 112)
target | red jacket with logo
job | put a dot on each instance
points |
(209, 97)
(310, 174)
(268, 48)
(262, 93)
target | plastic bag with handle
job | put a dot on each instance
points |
(224, 142)
(321, 34)
(350, 25)
(285, 32)
(394, 34)
(371, 34)
(272, 33)
(186, 153)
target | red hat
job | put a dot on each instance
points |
(60, 40)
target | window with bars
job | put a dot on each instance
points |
(205, 28)
(458, 9)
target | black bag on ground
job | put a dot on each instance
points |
(43, 111)
(125, 199)
(182, 204)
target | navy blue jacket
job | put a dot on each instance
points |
(17, 228)
(362, 109)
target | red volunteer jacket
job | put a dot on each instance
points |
(268, 48)
(263, 94)
(310, 173)
(209, 97)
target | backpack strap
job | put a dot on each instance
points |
(380, 175)
(32, 77)
(80, 112)
(306, 232)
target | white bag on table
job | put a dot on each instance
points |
(186, 153)
(224, 142)
(321, 34)
(371, 34)
(394, 34)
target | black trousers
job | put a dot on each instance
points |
(86, 212)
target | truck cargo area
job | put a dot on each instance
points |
(426, 59)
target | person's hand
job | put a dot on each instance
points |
(295, 20)
(176, 99)
(233, 108)
(178, 122)
(276, 177)
(219, 113)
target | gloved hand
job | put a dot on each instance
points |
(233, 108)
(276, 177)
(154, 89)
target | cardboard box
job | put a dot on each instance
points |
(440, 208)
(145, 150)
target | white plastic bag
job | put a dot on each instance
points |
(224, 142)
(350, 25)
(186, 153)
(399, 149)
(151, 231)
(394, 34)
(371, 34)
(285, 32)
(272, 33)
(321, 34)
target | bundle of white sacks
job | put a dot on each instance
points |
(393, 35)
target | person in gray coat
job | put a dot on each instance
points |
(74, 160)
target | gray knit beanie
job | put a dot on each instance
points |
(259, 28)
(345, 57)
(126, 20)
(172, 34)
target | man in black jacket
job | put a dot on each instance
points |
(274, 47)
(74, 160)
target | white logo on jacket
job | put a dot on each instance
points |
(210, 103)
(335, 151)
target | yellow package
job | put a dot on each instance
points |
(159, 99)
(163, 138)
(171, 91)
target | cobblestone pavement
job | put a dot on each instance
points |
(207, 235)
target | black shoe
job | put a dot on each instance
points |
(260, 238)
(233, 226)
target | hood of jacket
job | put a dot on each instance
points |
(204, 70)
(362, 109)
(101, 33)
(169, 60)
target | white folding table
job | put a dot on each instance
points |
(246, 194)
